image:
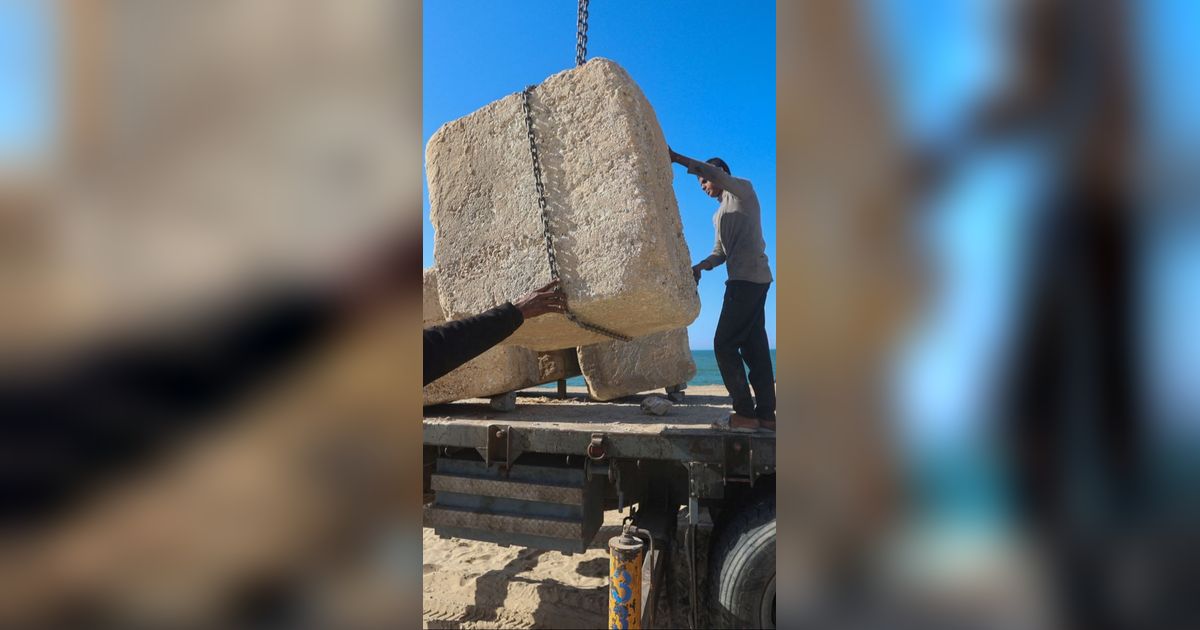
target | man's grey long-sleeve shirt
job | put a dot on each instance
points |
(738, 226)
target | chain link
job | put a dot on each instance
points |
(581, 26)
(551, 252)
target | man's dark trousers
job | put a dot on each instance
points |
(742, 336)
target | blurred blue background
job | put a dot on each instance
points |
(942, 59)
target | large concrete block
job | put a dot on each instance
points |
(620, 248)
(431, 309)
(617, 369)
(499, 370)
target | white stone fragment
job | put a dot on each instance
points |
(607, 173)
(617, 369)
(499, 370)
(656, 405)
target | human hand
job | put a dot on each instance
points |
(675, 157)
(696, 269)
(548, 299)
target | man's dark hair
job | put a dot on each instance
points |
(719, 163)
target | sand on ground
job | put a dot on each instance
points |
(472, 584)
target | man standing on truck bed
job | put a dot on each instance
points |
(741, 331)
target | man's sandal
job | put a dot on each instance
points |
(740, 423)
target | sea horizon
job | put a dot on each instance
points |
(706, 369)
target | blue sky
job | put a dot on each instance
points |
(711, 82)
(27, 96)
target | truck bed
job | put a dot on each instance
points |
(541, 475)
(698, 413)
(545, 424)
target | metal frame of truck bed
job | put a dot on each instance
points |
(616, 439)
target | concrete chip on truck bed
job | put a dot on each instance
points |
(622, 257)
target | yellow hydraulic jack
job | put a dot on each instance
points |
(625, 577)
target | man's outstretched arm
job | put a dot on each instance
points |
(711, 172)
(452, 344)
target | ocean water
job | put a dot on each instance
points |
(706, 370)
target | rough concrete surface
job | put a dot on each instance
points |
(499, 370)
(431, 310)
(556, 365)
(617, 369)
(620, 248)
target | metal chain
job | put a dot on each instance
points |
(551, 252)
(581, 26)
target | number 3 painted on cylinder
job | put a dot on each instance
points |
(621, 582)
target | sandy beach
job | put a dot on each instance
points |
(470, 584)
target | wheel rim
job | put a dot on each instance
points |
(766, 613)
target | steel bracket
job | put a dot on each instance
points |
(498, 450)
(596, 447)
(738, 464)
(705, 481)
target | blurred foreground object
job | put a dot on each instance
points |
(1049, 497)
(221, 245)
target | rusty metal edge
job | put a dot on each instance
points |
(542, 493)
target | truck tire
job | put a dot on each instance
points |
(742, 567)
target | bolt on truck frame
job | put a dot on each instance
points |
(542, 477)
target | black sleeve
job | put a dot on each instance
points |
(110, 407)
(454, 343)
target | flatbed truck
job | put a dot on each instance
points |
(542, 476)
